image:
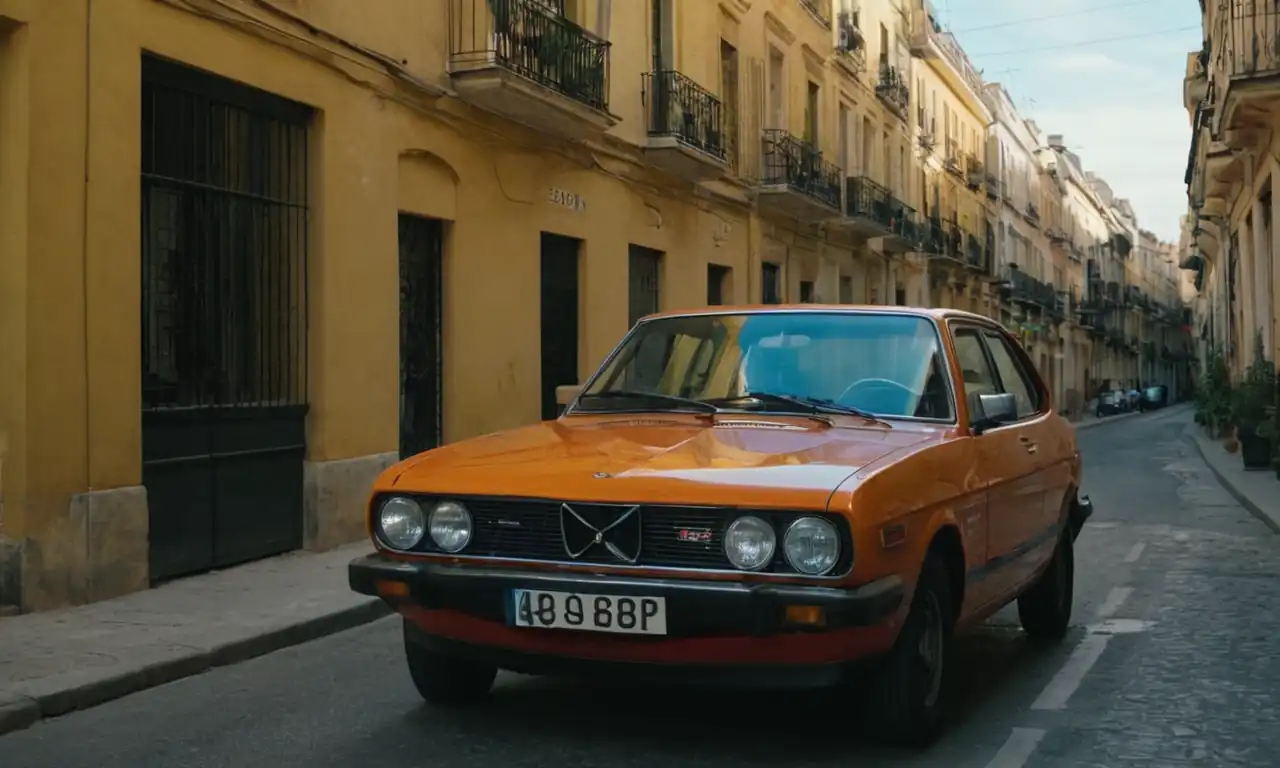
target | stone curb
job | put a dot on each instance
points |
(1230, 487)
(18, 711)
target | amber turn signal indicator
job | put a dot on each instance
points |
(808, 615)
(393, 589)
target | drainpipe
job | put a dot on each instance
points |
(84, 234)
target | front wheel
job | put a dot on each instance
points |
(445, 680)
(906, 697)
(1045, 608)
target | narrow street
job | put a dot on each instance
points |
(1171, 663)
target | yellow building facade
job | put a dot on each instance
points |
(256, 251)
(1230, 92)
(954, 124)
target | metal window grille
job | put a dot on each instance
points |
(224, 242)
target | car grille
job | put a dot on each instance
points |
(670, 536)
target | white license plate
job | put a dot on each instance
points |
(625, 614)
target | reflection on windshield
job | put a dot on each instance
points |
(882, 364)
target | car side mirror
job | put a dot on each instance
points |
(988, 411)
(565, 393)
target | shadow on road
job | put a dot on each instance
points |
(726, 726)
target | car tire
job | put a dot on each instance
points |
(444, 680)
(906, 701)
(1045, 608)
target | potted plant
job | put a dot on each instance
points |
(1253, 402)
(1214, 396)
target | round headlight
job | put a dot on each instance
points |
(450, 526)
(401, 523)
(749, 543)
(811, 546)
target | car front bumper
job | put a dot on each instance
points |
(710, 624)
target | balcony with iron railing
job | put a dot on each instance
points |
(893, 91)
(928, 40)
(851, 47)
(1032, 215)
(944, 242)
(951, 159)
(995, 188)
(524, 59)
(872, 210)
(975, 256)
(1244, 63)
(796, 180)
(975, 171)
(685, 125)
(820, 10)
(1195, 83)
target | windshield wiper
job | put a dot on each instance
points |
(634, 394)
(813, 405)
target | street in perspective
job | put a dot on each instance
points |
(597, 382)
(1168, 662)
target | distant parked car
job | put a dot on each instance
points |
(1111, 403)
(1153, 398)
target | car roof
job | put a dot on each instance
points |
(934, 313)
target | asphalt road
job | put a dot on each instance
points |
(1173, 661)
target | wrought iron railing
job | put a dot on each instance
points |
(819, 8)
(893, 90)
(678, 107)
(1245, 38)
(976, 172)
(850, 43)
(1033, 214)
(790, 161)
(866, 198)
(533, 39)
(973, 252)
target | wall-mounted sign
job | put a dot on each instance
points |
(566, 199)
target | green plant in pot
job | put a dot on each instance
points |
(1214, 396)
(1254, 401)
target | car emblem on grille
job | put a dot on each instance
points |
(620, 536)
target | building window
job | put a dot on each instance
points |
(770, 283)
(806, 291)
(718, 286)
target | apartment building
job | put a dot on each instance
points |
(256, 251)
(1230, 92)
(957, 215)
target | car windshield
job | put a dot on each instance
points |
(887, 365)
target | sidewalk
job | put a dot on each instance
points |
(1257, 491)
(53, 663)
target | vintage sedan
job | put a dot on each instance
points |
(796, 496)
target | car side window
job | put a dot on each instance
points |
(1012, 376)
(974, 367)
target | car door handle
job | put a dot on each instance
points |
(1027, 443)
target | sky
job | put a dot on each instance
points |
(1105, 75)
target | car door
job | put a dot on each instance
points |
(1004, 466)
(1028, 542)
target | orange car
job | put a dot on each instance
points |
(759, 495)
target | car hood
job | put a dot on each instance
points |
(767, 463)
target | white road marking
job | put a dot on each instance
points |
(1018, 748)
(1135, 552)
(1115, 599)
(1068, 679)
